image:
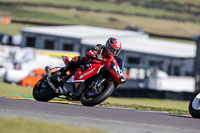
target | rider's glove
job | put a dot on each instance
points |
(98, 56)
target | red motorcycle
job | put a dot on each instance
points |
(91, 84)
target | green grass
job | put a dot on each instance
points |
(153, 20)
(171, 106)
(19, 125)
(15, 89)
(13, 28)
(163, 103)
(158, 26)
(116, 7)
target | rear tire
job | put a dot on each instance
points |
(100, 98)
(42, 91)
(194, 106)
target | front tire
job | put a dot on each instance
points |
(194, 106)
(42, 91)
(107, 91)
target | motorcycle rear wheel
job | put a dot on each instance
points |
(194, 106)
(107, 91)
(42, 91)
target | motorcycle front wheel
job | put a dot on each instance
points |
(194, 106)
(92, 101)
(42, 91)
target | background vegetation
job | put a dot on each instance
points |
(166, 17)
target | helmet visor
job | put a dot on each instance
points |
(113, 51)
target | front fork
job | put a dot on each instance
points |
(96, 84)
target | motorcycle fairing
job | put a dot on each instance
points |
(89, 72)
(111, 64)
(116, 67)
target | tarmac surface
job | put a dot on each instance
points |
(112, 120)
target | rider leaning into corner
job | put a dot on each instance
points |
(110, 49)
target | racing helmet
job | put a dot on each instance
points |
(113, 46)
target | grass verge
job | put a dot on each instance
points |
(146, 108)
(19, 125)
(171, 106)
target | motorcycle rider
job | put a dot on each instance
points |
(110, 49)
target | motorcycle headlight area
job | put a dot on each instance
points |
(114, 68)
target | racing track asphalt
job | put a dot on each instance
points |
(113, 120)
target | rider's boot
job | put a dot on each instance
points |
(58, 74)
(71, 66)
(59, 78)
